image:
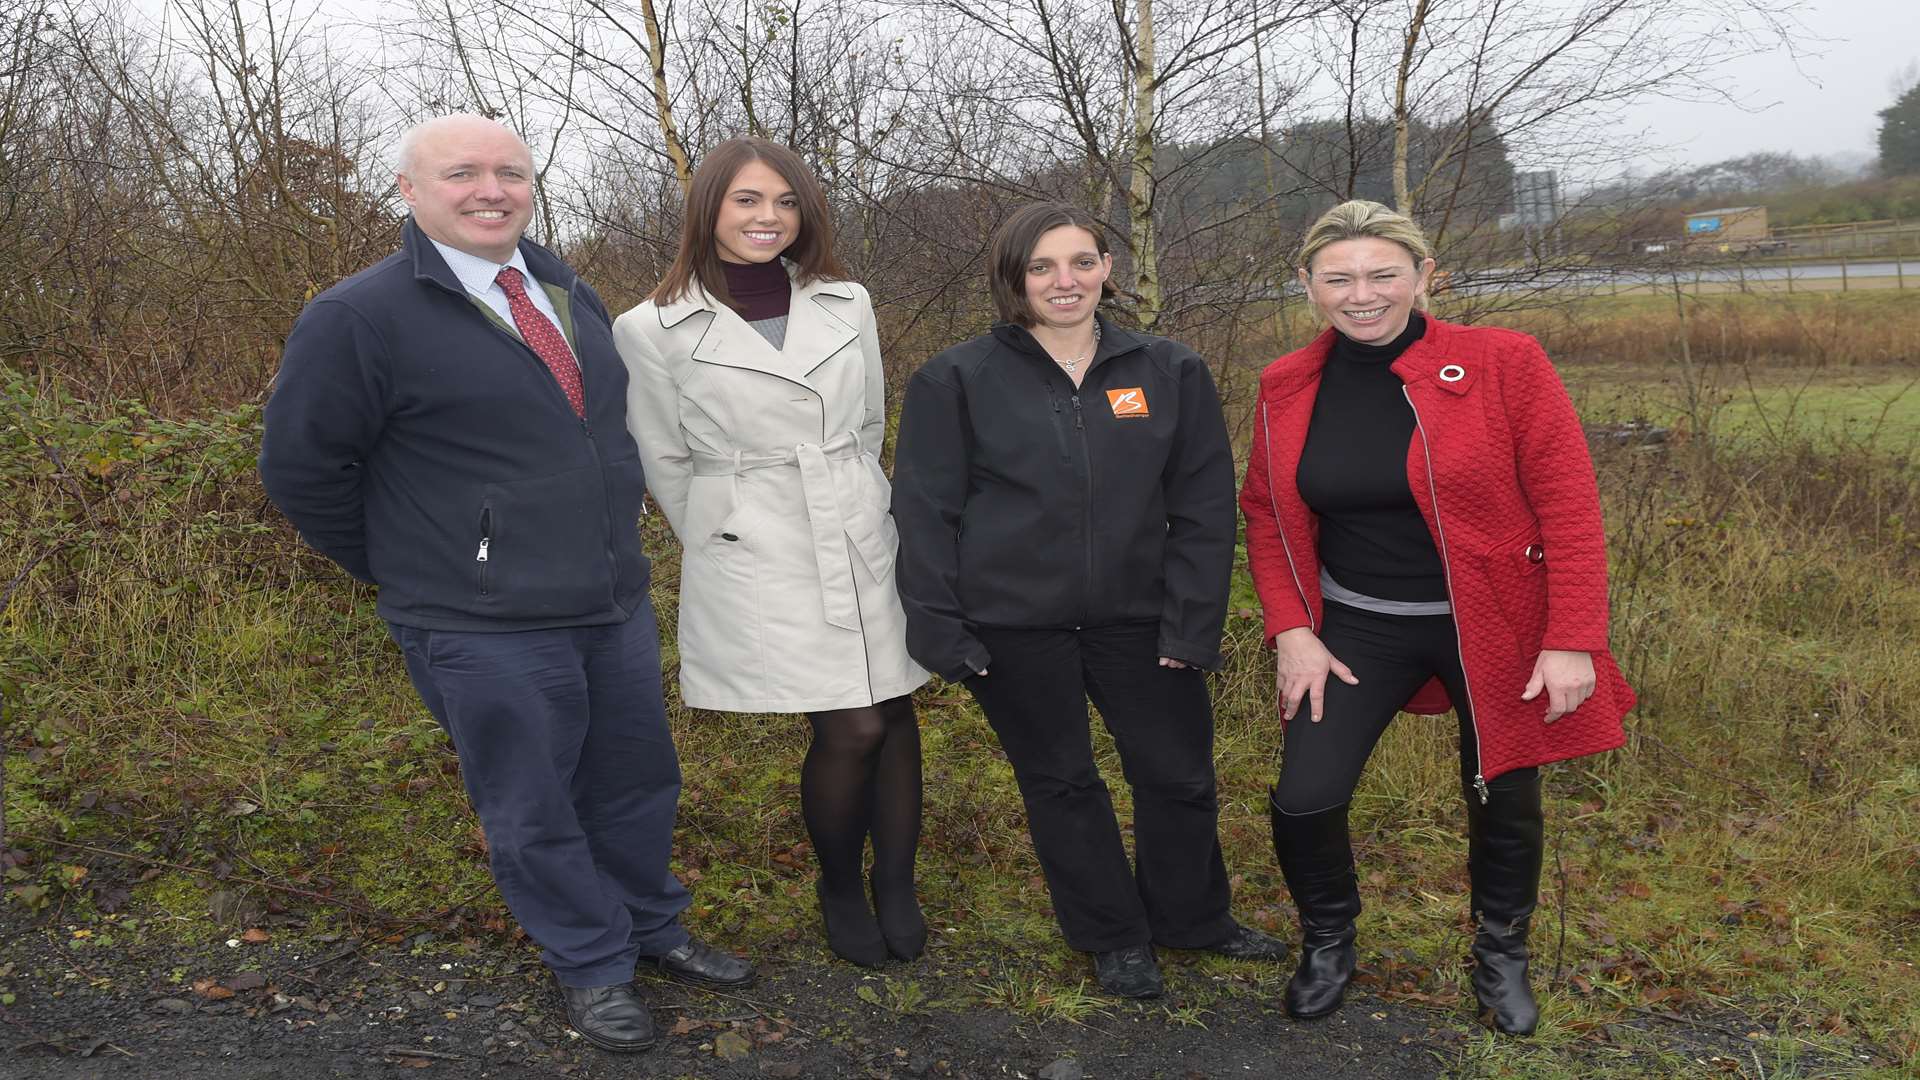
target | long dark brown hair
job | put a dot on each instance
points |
(698, 260)
(1012, 249)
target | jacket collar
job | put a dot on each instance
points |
(817, 327)
(1426, 360)
(1114, 341)
(429, 266)
(1431, 361)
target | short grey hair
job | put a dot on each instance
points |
(411, 139)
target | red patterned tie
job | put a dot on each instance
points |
(544, 338)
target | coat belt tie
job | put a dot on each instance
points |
(826, 518)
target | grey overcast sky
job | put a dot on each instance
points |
(1825, 104)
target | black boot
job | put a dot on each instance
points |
(1316, 858)
(1504, 850)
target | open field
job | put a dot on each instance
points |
(208, 731)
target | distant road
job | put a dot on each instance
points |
(1776, 276)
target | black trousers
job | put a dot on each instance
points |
(1035, 697)
(1392, 656)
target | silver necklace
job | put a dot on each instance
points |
(1070, 365)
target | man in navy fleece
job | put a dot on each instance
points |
(450, 425)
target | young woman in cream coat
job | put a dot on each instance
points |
(757, 398)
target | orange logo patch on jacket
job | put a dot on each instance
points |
(1128, 401)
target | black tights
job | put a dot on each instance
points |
(861, 778)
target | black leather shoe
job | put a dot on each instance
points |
(610, 1017)
(1246, 943)
(1129, 972)
(1316, 858)
(852, 932)
(902, 926)
(698, 963)
(1505, 849)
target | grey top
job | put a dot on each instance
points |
(774, 330)
(1340, 594)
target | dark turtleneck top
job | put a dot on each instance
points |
(1353, 474)
(763, 294)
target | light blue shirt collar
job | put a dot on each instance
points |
(475, 273)
(477, 277)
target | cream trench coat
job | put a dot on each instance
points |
(766, 463)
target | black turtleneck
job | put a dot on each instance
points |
(759, 290)
(1353, 473)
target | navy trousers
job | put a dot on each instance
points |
(565, 753)
(1035, 697)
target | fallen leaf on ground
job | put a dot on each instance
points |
(732, 1046)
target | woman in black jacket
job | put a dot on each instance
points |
(1064, 492)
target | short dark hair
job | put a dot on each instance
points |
(1013, 244)
(698, 260)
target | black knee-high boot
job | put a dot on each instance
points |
(1316, 858)
(1505, 846)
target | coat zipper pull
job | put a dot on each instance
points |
(1480, 785)
(482, 556)
(1077, 425)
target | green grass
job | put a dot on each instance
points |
(1874, 407)
(195, 691)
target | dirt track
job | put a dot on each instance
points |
(395, 1010)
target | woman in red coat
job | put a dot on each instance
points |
(1424, 529)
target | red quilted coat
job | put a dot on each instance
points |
(1498, 465)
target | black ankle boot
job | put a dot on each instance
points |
(1316, 858)
(852, 933)
(1505, 843)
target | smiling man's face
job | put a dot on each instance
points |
(470, 184)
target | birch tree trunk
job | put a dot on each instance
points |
(1402, 114)
(1146, 263)
(662, 101)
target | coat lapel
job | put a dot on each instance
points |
(815, 326)
(816, 329)
(727, 340)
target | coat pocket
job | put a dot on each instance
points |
(1515, 572)
(548, 551)
(721, 615)
(732, 546)
(1525, 549)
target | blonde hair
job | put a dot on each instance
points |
(1363, 219)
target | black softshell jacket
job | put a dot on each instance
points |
(1023, 502)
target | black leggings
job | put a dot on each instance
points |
(1392, 656)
